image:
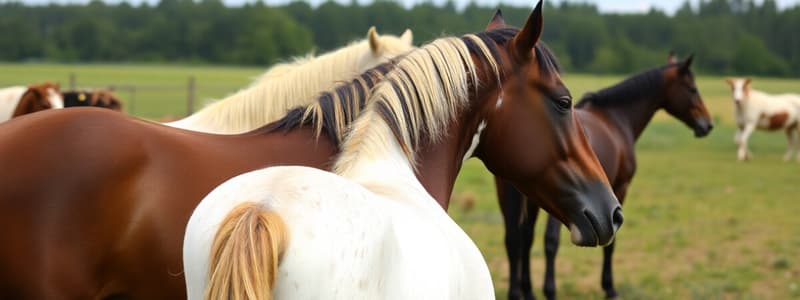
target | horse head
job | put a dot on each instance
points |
(530, 136)
(740, 88)
(39, 97)
(384, 47)
(682, 99)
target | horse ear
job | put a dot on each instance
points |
(407, 37)
(747, 82)
(729, 81)
(528, 36)
(372, 36)
(687, 64)
(497, 21)
(671, 59)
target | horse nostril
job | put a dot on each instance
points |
(617, 218)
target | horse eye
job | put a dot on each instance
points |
(564, 102)
(693, 90)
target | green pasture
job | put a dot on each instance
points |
(698, 224)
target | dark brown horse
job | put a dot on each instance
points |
(106, 217)
(97, 98)
(613, 120)
(38, 97)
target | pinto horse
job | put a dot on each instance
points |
(112, 223)
(758, 110)
(370, 230)
(613, 119)
(18, 100)
(287, 85)
(96, 98)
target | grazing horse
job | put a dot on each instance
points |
(613, 119)
(18, 100)
(96, 98)
(112, 223)
(285, 86)
(758, 110)
(370, 230)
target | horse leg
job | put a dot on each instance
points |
(607, 280)
(552, 236)
(518, 239)
(790, 148)
(744, 153)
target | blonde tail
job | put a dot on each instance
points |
(245, 254)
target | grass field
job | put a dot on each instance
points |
(698, 224)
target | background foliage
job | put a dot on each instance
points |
(729, 36)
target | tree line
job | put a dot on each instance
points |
(727, 36)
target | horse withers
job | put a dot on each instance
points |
(613, 119)
(758, 110)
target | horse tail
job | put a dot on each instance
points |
(245, 254)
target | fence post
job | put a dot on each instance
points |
(71, 81)
(190, 96)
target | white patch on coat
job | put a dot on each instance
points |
(476, 139)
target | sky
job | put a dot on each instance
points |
(624, 6)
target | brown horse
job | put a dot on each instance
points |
(105, 218)
(613, 120)
(36, 97)
(97, 98)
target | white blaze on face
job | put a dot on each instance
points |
(476, 139)
(55, 98)
(738, 90)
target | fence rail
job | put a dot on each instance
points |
(153, 100)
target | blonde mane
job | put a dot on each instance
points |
(418, 99)
(288, 85)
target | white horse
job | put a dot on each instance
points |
(758, 110)
(287, 85)
(19, 100)
(370, 230)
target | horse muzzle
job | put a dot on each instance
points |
(702, 127)
(597, 223)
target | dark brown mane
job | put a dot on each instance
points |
(635, 87)
(348, 98)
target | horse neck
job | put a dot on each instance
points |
(281, 88)
(375, 159)
(631, 118)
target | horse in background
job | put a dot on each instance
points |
(19, 100)
(613, 119)
(755, 109)
(371, 226)
(96, 98)
(287, 85)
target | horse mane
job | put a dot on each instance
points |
(635, 87)
(282, 87)
(334, 110)
(421, 96)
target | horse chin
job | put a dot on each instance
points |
(701, 132)
(583, 235)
